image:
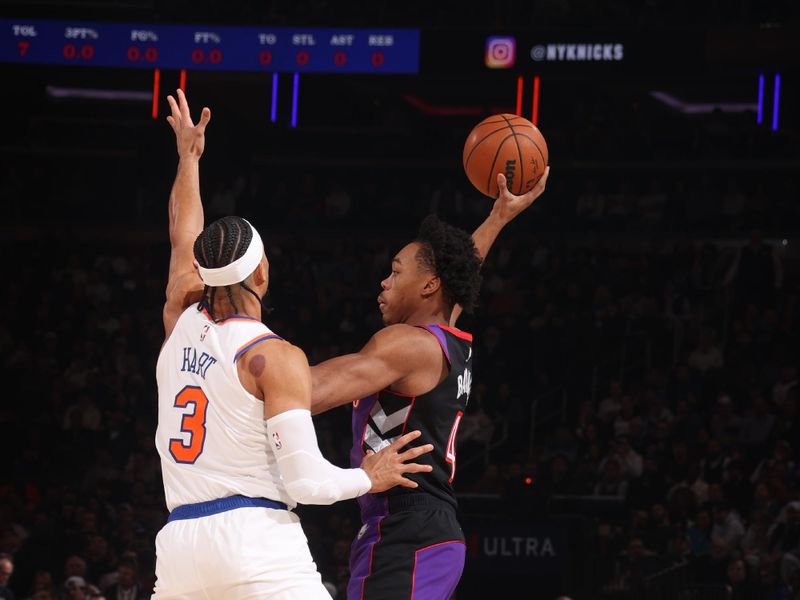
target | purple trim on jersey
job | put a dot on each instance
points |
(440, 337)
(437, 570)
(370, 504)
(361, 410)
(236, 316)
(263, 338)
(361, 556)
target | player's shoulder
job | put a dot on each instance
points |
(408, 341)
(400, 332)
(279, 351)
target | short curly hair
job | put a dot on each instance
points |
(450, 253)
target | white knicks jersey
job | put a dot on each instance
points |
(212, 436)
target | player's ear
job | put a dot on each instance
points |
(432, 285)
(260, 274)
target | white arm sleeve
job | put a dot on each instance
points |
(308, 477)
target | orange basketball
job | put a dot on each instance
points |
(507, 144)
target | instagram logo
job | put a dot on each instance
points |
(501, 52)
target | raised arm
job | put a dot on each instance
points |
(505, 208)
(185, 210)
(283, 380)
(391, 356)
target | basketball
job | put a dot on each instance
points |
(508, 144)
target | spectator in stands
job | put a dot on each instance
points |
(563, 443)
(726, 424)
(699, 532)
(636, 562)
(740, 585)
(707, 355)
(629, 459)
(42, 582)
(612, 482)
(76, 588)
(714, 463)
(728, 530)
(6, 570)
(784, 541)
(659, 530)
(755, 542)
(770, 585)
(781, 455)
(611, 405)
(556, 478)
(763, 500)
(651, 487)
(74, 566)
(126, 586)
(627, 423)
(100, 557)
(758, 424)
(680, 548)
(693, 483)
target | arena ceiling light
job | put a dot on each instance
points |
(75, 93)
(693, 108)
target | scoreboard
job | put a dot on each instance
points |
(210, 47)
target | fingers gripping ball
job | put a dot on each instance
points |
(508, 144)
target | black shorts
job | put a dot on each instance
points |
(414, 552)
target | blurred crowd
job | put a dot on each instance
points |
(693, 428)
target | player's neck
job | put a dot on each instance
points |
(246, 304)
(426, 316)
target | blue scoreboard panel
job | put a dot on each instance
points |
(211, 47)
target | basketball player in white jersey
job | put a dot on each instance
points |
(237, 444)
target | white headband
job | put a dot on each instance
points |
(238, 270)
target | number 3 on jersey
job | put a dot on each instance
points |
(193, 423)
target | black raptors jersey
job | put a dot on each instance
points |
(381, 418)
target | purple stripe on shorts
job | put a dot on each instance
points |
(437, 570)
(361, 556)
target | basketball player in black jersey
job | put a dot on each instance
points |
(416, 373)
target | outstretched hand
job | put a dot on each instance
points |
(190, 138)
(507, 206)
(387, 467)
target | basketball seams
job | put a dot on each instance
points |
(476, 144)
(494, 160)
(532, 141)
(521, 177)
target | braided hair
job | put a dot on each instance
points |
(218, 245)
(450, 253)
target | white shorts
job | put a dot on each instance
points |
(242, 554)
